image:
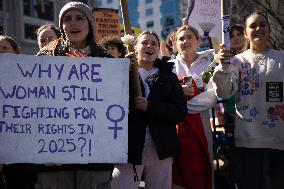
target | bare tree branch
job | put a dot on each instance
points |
(269, 11)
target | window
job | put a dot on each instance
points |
(30, 30)
(1, 4)
(148, 1)
(169, 21)
(109, 1)
(132, 5)
(134, 16)
(1, 26)
(165, 32)
(43, 9)
(149, 12)
(99, 3)
(169, 6)
(149, 24)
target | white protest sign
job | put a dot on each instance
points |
(63, 110)
(206, 17)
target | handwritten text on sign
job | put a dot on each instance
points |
(63, 110)
(106, 23)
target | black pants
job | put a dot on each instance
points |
(19, 176)
(261, 168)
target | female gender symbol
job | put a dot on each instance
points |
(115, 121)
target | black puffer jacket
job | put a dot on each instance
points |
(166, 108)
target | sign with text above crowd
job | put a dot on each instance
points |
(106, 23)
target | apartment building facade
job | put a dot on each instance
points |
(160, 16)
(21, 18)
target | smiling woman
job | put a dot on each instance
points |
(193, 169)
(76, 27)
(77, 33)
(256, 77)
(152, 120)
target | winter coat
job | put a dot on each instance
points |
(193, 169)
(166, 108)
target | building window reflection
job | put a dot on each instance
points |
(150, 24)
(1, 5)
(42, 9)
(149, 12)
(30, 31)
(1, 26)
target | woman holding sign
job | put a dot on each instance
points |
(256, 78)
(77, 40)
(152, 118)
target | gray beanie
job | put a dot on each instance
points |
(85, 9)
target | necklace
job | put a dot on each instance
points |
(259, 56)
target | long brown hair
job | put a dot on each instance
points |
(264, 14)
(190, 28)
(240, 29)
(149, 32)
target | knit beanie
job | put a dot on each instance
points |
(85, 9)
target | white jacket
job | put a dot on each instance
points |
(204, 101)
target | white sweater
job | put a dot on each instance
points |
(257, 80)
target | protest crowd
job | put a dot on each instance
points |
(170, 137)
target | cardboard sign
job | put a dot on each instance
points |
(106, 23)
(63, 110)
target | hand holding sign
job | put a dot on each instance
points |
(76, 53)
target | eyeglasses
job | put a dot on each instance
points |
(264, 14)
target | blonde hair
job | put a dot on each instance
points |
(189, 28)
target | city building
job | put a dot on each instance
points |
(21, 18)
(159, 15)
